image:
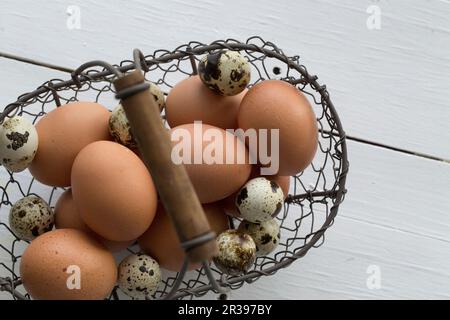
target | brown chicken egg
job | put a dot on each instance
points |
(67, 217)
(212, 174)
(67, 264)
(161, 240)
(63, 132)
(276, 104)
(113, 191)
(66, 213)
(191, 100)
(229, 203)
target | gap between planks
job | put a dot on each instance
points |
(391, 228)
(351, 138)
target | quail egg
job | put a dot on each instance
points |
(18, 143)
(226, 72)
(265, 234)
(119, 127)
(30, 217)
(139, 276)
(260, 200)
(237, 252)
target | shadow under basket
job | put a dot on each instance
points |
(309, 209)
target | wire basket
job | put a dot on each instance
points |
(309, 209)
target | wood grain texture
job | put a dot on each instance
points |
(17, 78)
(390, 85)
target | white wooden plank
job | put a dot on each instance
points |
(17, 78)
(402, 192)
(390, 85)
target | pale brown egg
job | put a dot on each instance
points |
(191, 100)
(229, 203)
(113, 191)
(68, 217)
(63, 132)
(214, 177)
(276, 104)
(67, 264)
(161, 240)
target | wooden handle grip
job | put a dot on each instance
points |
(171, 180)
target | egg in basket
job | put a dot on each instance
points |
(219, 164)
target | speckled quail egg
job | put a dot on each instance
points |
(18, 143)
(157, 93)
(30, 217)
(237, 252)
(265, 234)
(139, 276)
(260, 200)
(119, 127)
(226, 72)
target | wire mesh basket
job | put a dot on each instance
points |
(309, 209)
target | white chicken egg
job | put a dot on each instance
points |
(18, 143)
(139, 276)
(265, 234)
(225, 72)
(30, 217)
(237, 252)
(119, 127)
(260, 200)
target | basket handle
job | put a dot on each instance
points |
(172, 181)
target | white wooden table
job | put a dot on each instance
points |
(390, 85)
